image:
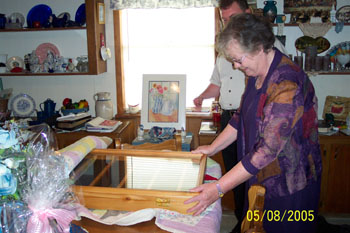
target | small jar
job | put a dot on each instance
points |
(183, 135)
(215, 106)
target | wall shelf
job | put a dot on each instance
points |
(41, 29)
(297, 25)
(329, 73)
(44, 74)
(93, 34)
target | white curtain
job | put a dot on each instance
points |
(153, 4)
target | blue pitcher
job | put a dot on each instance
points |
(270, 10)
(49, 108)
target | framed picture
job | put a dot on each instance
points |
(338, 106)
(164, 101)
(101, 13)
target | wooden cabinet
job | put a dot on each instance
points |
(335, 187)
(93, 36)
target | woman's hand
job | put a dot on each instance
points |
(206, 149)
(208, 195)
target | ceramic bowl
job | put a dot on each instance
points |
(133, 109)
(343, 59)
(74, 111)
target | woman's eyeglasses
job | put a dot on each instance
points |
(239, 61)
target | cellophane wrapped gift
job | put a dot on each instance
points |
(44, 202)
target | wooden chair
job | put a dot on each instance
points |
(171, 144)
(256, 198)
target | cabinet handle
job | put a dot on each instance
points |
(336, 153)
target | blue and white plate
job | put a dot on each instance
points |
(22, 105)
(80, 15)
(39, 13)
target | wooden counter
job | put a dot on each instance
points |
(124, 131)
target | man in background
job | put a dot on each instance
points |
(227, 83)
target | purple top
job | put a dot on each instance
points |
(277, 130)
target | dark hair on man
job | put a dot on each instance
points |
(252, 32)
(223, 4)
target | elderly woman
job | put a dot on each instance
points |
(275, 128)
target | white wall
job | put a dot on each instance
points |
(70, 43)
(334, 85)
(73, 43)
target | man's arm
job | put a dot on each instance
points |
(211, 91)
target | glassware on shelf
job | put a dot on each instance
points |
(343, 59)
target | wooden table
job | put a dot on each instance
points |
(124, 132)
(96, 227)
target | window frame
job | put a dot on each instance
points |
(119, 60)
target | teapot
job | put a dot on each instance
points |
(49, 107)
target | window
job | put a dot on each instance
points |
(166, 41)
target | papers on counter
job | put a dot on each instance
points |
(102, 125)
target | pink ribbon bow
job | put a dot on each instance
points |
(39, 220)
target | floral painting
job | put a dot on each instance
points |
(163, 102)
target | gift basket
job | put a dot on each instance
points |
(34, 182)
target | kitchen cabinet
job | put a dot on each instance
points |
(335, 183)
(94, 30)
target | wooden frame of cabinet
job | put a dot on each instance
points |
(93, 34)
(335, 186)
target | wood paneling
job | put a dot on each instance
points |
(93, 31)
(335, 187)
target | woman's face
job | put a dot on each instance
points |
(246, 62)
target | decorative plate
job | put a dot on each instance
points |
(343, 14)
(39, 13)
(16, 18)
(341, 48)
(13, 62)
(302, 42)
(80, 15)
(42, 50)
(22, 105)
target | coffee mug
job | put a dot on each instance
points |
(2, 22)
(40, 115)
